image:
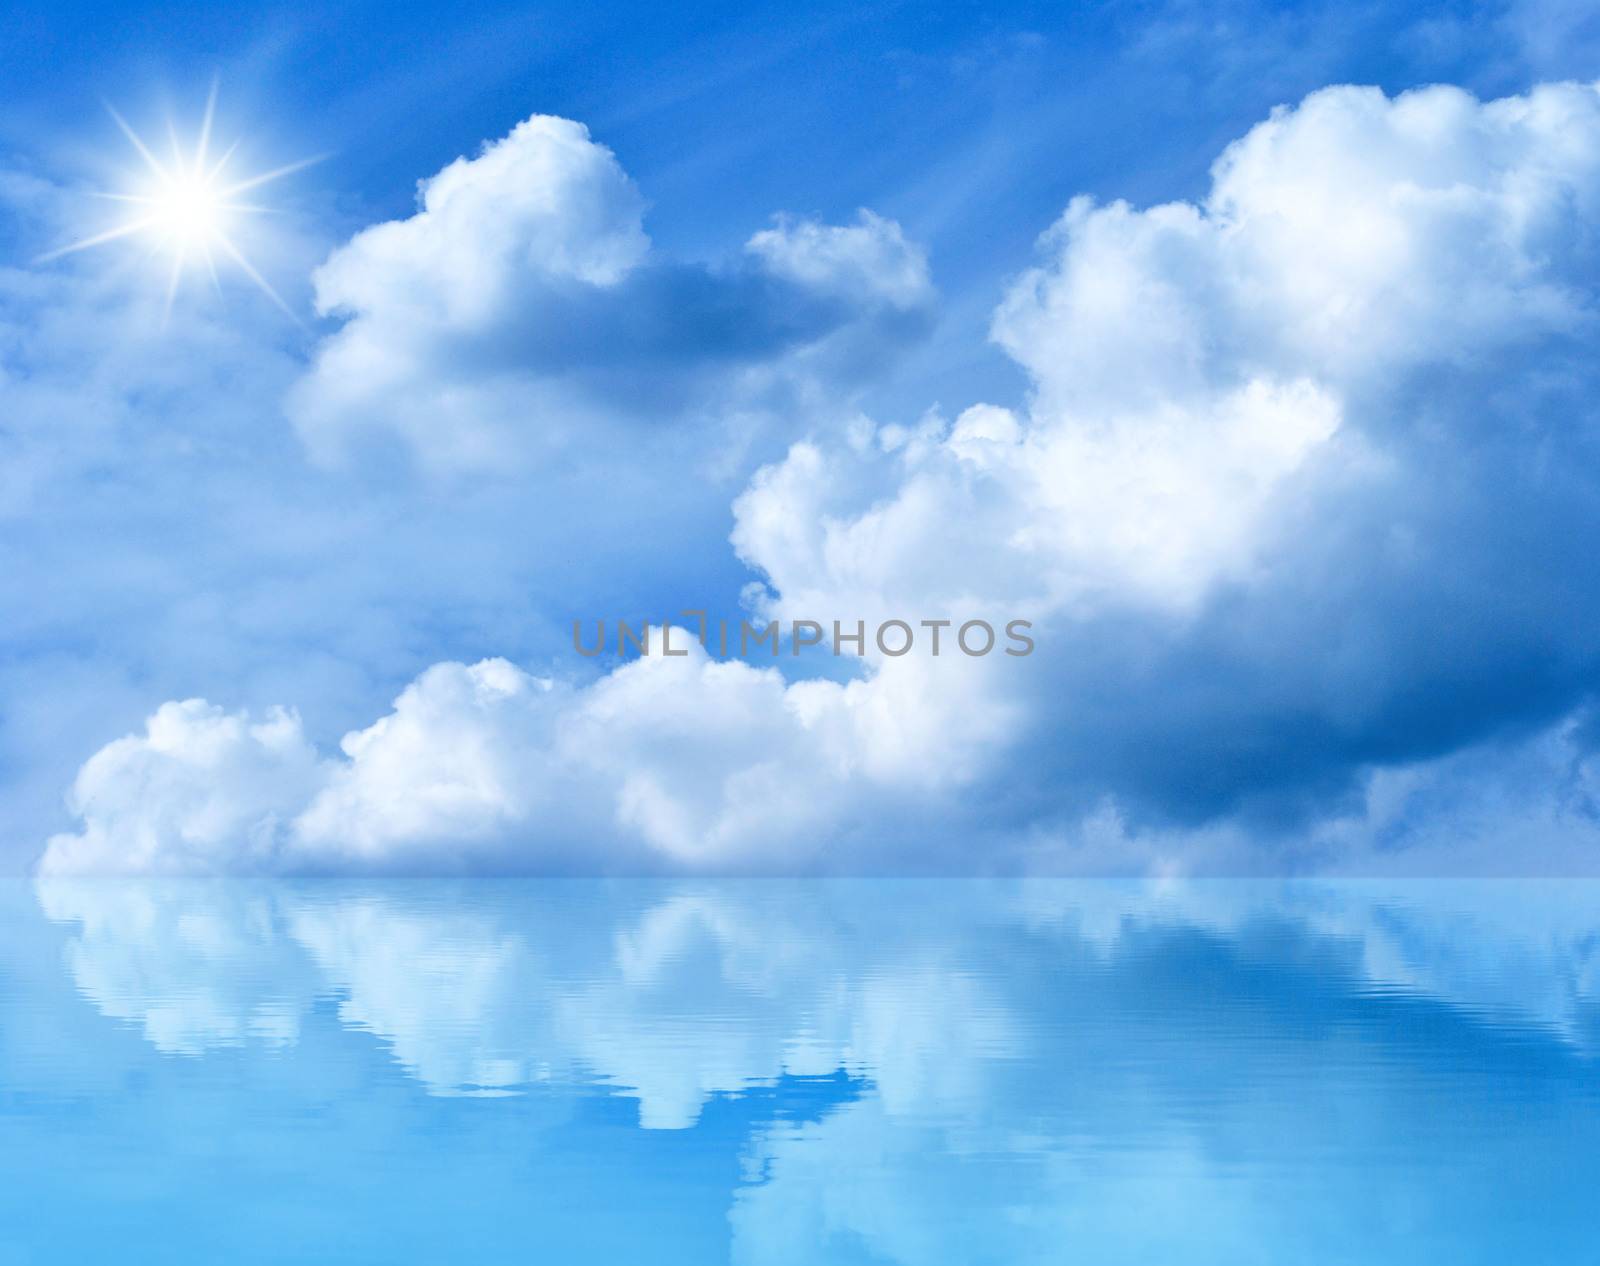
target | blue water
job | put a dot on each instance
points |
(800, 1072)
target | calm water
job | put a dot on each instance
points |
(800, 1072)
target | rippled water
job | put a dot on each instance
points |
(800, 1072)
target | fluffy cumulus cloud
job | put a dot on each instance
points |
(682, 761)
(1294, 505)
(1297, 485)
(520, 311)
(199, 789)
(1200, 373)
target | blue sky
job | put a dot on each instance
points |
(1353, 637)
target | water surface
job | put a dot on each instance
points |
(799, 1072)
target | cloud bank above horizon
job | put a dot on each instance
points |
(1295, 503)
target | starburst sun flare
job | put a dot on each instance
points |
(187, 205)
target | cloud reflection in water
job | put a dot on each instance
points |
(914, 1072)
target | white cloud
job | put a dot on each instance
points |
(542, 209)
(199, 790)
(1068, 513)
(458, 757)
(1272, 438)
(1255, 505)
(1346, 237)
(520, 310)
(870, 261)
(667, 761)
(1187, 361)
(544, 204)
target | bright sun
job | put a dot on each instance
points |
(189, 211)
(187, 205)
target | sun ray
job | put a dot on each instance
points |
(204, 139)
(277, 173)
(173, 278)
(110, 235)
(150, 159)
(216, 169)
(176, 147)
(211, 267)
(251, 272)
(186, 209)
